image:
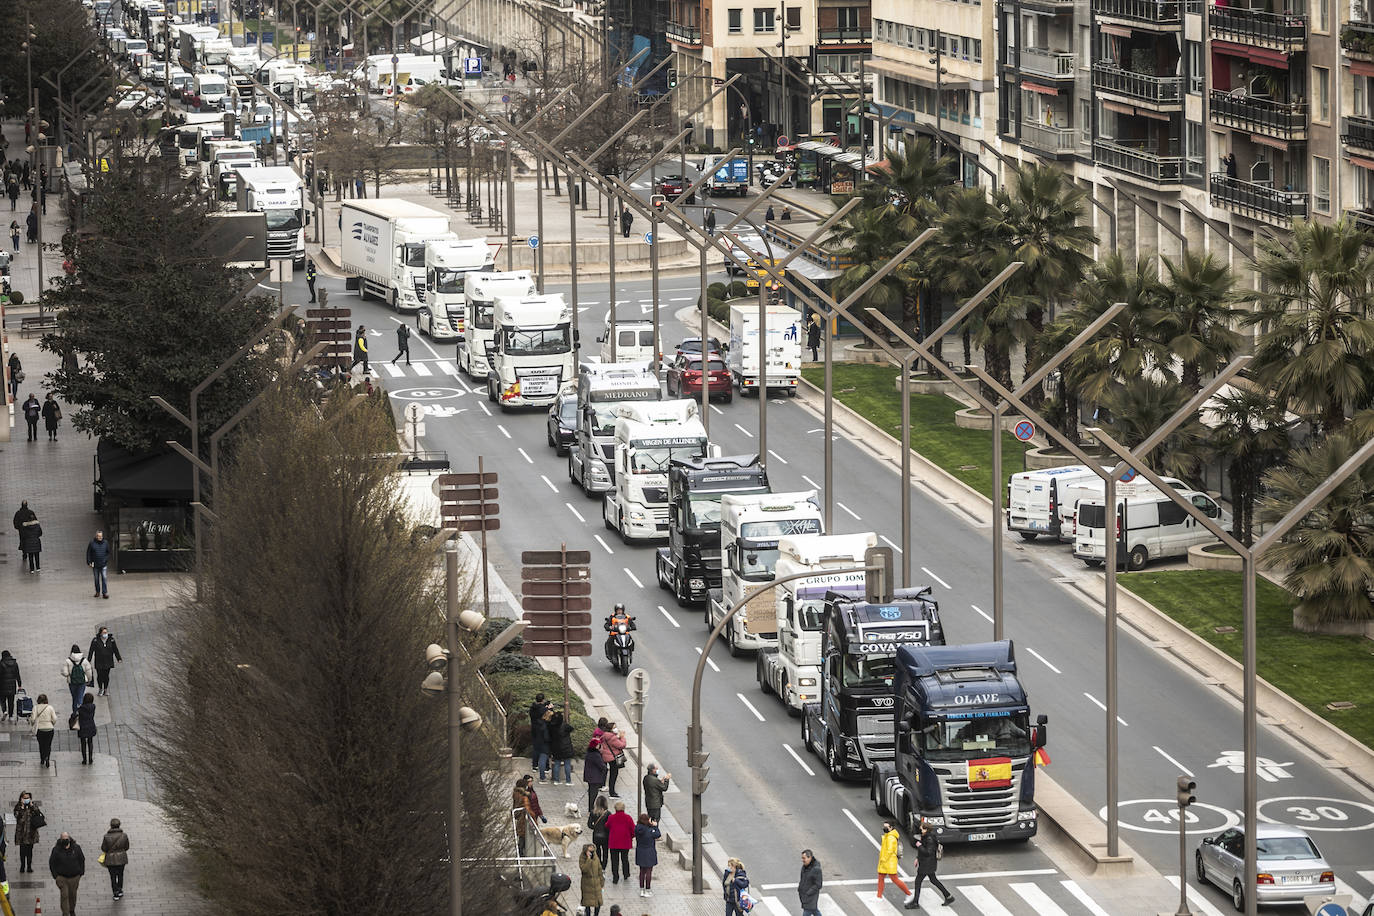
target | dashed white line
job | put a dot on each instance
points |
(983, 613)
(710, 664)
(854, 514)
(1046, 662)
(664, 611)
(525, 455)
(750, 706)
(1159, 750)
(716, 409)
(801, 763)
(743, 430)
(777, 456)
(633, 577)
(504, 431)
(1102, 706)
(603, 543)
(576, 513)
(484, 408)
(549, 482)
(811, 482)
(887, 540)
(935, 577)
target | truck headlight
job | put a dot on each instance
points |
(806, 682)
(1025, 815)
(636, 515)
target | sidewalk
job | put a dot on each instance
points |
(42, 615)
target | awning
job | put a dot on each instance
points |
(1036, 87)
(1120, 31)
(1362, 162)
(816, 146)
(162, 475)
(1269, 142)
(923, 75)
(1120, 108)
(432, 43)
(1362, 68)
(1255, 55)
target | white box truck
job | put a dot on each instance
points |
(279, 193)
(448, 261)
(383, 249)
(533, 357)
(783, 348)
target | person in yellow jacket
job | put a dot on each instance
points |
(888, 865)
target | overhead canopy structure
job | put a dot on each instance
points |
(157, 476)
(432, 43)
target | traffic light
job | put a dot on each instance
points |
(672, 78)
(700, 773)
(1185, 791)
(657, 200)
(751, 139)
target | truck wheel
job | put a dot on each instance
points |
(786, 696)
(1138, 558)
(680, 593)
(571, 478)
(730, 641)
(832, 763)
(913, 821)
(624, 538)
(875, 793)
(1027, 535)
(491, 392)
(760, 677)
(1091, 564)
(791, 392)
(706, 616)
(806, 732)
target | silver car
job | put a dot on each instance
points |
(1290, 865)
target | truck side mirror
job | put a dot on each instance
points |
(1042, 731)
(903, 728)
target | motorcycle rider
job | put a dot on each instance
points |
(618, 618)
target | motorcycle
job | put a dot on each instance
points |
(620, 648)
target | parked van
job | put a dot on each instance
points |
(634, 340)
(1070, 493)
(1156, 527)
(1034, 498)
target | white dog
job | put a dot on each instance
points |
(570, 809)
(562, 836)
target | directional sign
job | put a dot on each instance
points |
(648, 238)
(551, 557)
(538, 618)
(538, 603)
(1025, 430)
(556, 588)
(533, 241)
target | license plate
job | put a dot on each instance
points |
(975, 837)
(1295, 879)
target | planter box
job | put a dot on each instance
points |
(1038, 459)
(977, 418)
(1199, 557)
(928, 385)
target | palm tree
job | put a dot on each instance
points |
(1329, 555)
(1317, 334)
(1198, 295)
(1142, 405)
(1249, 435)
(866, 237)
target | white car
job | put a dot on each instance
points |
(437, 326)
(136, 100)
(1290, 865)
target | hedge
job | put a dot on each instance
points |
(739, 289)
(516, 690)
(716, 291)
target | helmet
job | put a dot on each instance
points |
(619, 609)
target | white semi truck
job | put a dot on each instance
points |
(601, 388)
(533, 357)
(477, 345)
(648, 436)
(383, 249)
(750, 527)
(447, 264)
(791, 669)
(279, 193)
(783, 348)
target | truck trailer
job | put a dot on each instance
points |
(783, 348)
(383, 249)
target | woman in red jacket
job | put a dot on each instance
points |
(622, 830)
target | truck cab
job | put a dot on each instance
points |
(634, 341)
(477, 345)
(279, 194)
(225, 162)
(689, 566)
(851, 726)
(750, 528)
(648, 437)
(965, 746)
(534, 355)
(601, 387)
(447, 264)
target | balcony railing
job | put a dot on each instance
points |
(1357, 131)
(844, 36)
(1161, 90)
(1139, 160)
(683, 34)
(1363, 217)
(1151, 12)
(1257, 199)
(1049, 139)
(1285, 120)
(1357, 38)
(1054, 64)
(1286, 32)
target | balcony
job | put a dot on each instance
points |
(1145, 12)
(844, 37)
(1358, 132)
(1362, 217)
(1258, 201)
(681, 34)
(1139, 160)
(1059, 141)
(1282, 120)
(1056, 65)
(1286, 32)
(1357, 38)
(1159, 91)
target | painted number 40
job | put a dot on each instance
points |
(1156, 816)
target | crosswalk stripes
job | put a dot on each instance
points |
(420, 369)
(969, 900)
(982, 898)
(774, 905)
(1038, 899)
(447, 368)
(875, 906)
(1082, 897)
(828, 904)
(392, 370)
(1196, 901)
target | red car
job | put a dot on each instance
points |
(672, 186)
(684, 377)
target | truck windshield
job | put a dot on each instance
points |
(603, 420)
(533, 343)
(447, 280)
(862, 671)
(415, 255)
(995, 736)
(283, 220)
(656, 460)
(703, 511)
(481, 315)
(778, 528)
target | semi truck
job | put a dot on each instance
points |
(728, 176)
(279, 193)
(783, 348)
(965, 746)
(850, 726)
(447, 264)
(601, 387)
(648, 437)
(189, 41)
(533, 357)
(476, 346)
(383, 248)
(791, 669)
(689, 566)
(225, 162)
(750, 528)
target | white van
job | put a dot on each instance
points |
(1070, 493)
(634, 340)
(211, 89)
(1034, 498)
(1156, 527)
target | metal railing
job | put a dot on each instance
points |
(1156, 12)
(1138, 160)
(1251, 198)
(492, 712)
(1144, 87)
(683, 34)
(1358, 37)
(844, 36)
(1287, 31)
(1363, 216)
(1358, 131)
(1058, 64)
(1287, 120)
(1049, 139)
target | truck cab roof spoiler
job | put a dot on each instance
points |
(925, 661)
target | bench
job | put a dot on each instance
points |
(37, 325)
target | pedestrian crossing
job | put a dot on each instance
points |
(416, 369)
(1017, 898)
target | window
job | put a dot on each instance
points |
(1171, 513)
(734, 21)
(1322, 16)
(765, 19)
(1196, 70)
(846, 17)
(1321, 184)
(1197, 140)
(1359, 96)
(793, 17)
(1321, 94)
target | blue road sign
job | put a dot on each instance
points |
(1332, 909)
(534, 241)
(1025, 430)
(1128, 476)
(505, 100)
(395, 59)
(648, 238)
(472, 66)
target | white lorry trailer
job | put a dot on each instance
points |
(383, 249)
(534, 355)
(648, 436)
(783, 345)
(279, 193)
(447, 264)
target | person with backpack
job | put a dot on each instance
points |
(76, 673)
(104, 654)
(927, 861)
(10, 682)
(735, 883)
(889, 861)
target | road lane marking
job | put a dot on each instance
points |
(1038, 899)
(393, 371)
(777, 456)
(775, 907)
(710, 664)
(750, 706)
(887, 540)
(1199, 903)
(1044, 661)
(664, 611)
(813, 483)
(716, 409)
(420, 368)
(935, 577)
(504, 431)
(576, 513)
(801, 763)
(982, 898)
(549, 482)
(633, 577)
(962, 876)
(525, 456)
(1159, 750)
(1100, 705)
(868, 835)
(1083, 898)
(448, 368)
(743, 430)
(983, 613)
(484, 408)
(849, 510)
(877, 906)
(603, 544)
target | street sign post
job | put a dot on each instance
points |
(473, 508)
(534, 242)
(634, 707)
(556, 597)
(1025, 430)
(472, 66)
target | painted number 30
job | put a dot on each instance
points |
(1156, 816)
(1321, 812)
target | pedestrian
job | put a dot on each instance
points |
(67, 863)
(44, 721)
(536, 809)
(10, 682)
(593, 881)
(25, 520)
(26, 175)
(598, 821)
(28, 820)
(52, 415)
(85, 729)
(646, 852)
(43, 198)
(613, 752)
(537, 707)
(32, 222)
(735, 882)
(786, 213)
(360, 350)
(539, 738)
(115, 847)
(560, 747)
(928, 852)
(98, 558)
(76, 674)
(14, 232)
(402, 343)
(104, 655)
(621, 827)
(889, 854)
(16, 375)
(654, 787)
(809, 884)
(627, 220)
(32, 412)
(711, 221)
(310, 276)
(768, 217)
(813, 337)
(593, 771)
(12, 189)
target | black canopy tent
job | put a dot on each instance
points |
(145, 501)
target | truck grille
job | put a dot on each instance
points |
(656, 494)
(973, 810)
(876, 726)
(281, 249)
